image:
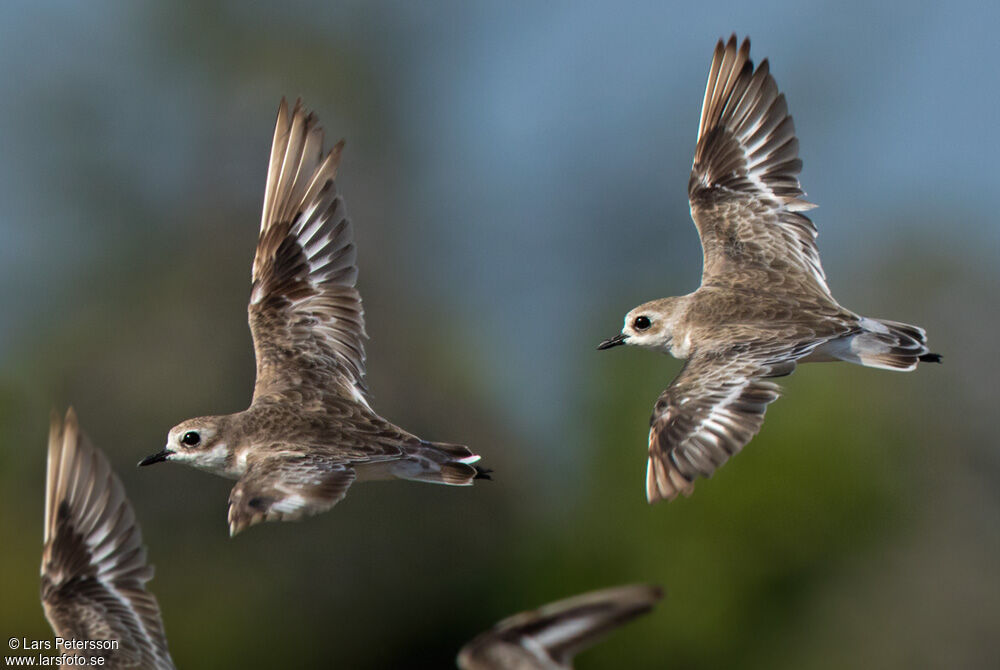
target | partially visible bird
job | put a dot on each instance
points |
(310, 431)
(94, 566)
(763, 305)
(548, 638)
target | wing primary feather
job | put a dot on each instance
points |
(708, 413)
(744, 189)
(304, 301)
(94, 566)
(549, 637)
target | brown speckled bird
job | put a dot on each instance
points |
(94, 566)
(548, 638)
(763, 305)
(310, 431)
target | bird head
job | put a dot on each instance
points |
(649, 325)
(196, 442)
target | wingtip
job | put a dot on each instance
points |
(796, 204)
(734, 46)
(664, 482)
(744, 50)
(656, 591)
(55, 424)
(236, 527)
(334, 155)
(71, 422)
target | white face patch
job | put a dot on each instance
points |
(656, 337)
(214, 457)
(658, 334)
(213, 460)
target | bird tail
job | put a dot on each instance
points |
(888, 345)
(440, 463)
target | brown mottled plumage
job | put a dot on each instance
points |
(548, 638)
(94, 566)
(763, 304)
(310, 431)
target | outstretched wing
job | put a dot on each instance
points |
(549, 637)
(305, 313)
(287, 486)
(707, 414)
(94, 566)
(744, 190)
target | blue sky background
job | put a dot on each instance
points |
(538, 154)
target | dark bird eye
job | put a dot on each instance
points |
(641, 323)
(191, 438)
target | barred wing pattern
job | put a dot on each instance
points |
(305, 313)
(549, 637)
(94, 566)
(708, 413)
(745, 196)
(287, 486)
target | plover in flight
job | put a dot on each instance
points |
(94, 567)
(763, 304)
(310, 431)
(549, 637)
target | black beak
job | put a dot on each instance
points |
(155, 458)
(613, 342)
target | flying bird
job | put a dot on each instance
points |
(310, 431)
(548, 638)
(94, 566)
(763, 305)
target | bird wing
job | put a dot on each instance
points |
(285, 486)
(710, 411)
(745, 196)
(94, 566)
(549, 637)
(305, 313)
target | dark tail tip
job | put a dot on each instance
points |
(930, 358)
(482, 473)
